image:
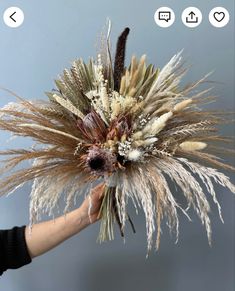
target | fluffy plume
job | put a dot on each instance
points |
(132, 128)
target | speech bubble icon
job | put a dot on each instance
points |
(164, 15)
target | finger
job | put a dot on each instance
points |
(98, 190)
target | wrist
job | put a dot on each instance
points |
(81, 218)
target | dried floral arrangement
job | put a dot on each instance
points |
(132, 128)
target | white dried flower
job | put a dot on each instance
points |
(134, 155)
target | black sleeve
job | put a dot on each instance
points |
(13, 249)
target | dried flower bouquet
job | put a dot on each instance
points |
(131, 128)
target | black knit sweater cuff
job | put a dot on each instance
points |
(15, 249)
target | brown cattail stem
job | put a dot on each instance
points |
(120, 58)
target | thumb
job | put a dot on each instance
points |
(98, 191)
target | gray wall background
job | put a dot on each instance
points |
(53, 34)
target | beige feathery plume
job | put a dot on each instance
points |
(164, 76)
(128, 102)
(157, 124)
(145, 142)
(40, 127)
(182, 105)
(115, 107)
(104, 99)
(68, 105)
(153, 127)
(193, 145)
(137, 135)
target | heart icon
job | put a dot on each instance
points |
(219, 16)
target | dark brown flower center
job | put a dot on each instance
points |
(97, 163)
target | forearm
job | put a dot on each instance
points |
(47, 235)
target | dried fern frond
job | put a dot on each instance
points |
(133, 128)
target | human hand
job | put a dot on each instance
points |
(91, 205)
